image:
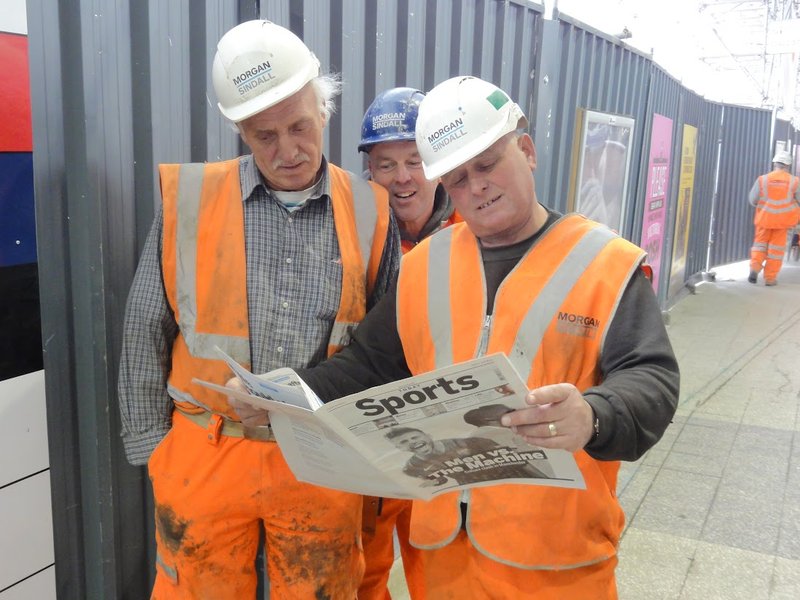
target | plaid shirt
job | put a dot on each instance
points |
(294, 284)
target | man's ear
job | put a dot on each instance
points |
(525, 143)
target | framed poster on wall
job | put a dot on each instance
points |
(602, 167)
(657, 194)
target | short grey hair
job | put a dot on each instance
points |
(327, 87)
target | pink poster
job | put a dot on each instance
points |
(655, 209)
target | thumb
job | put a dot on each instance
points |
(549, 394)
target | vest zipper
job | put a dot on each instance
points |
(484, 341)
(463, 497)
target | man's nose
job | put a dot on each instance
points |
(287, 148)
(402, 174)
(477, 185)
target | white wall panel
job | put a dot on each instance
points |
(26, 529)
(23, 427)
(41, 586)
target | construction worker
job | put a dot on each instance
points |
(274, 257)
(565, 299)
(776, 198)
(421, 208)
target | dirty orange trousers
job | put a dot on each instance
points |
(212, 495)
(768, 248)
(379, 553)
(459, 571)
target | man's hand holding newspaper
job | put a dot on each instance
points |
(251, 416)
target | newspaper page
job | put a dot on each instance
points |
(414, 438)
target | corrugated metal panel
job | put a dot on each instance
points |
(781, 133)
(86, 122)
(378, 44)
(744, 155)
(593, 71)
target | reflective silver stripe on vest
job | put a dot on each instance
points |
(543, 310)
(201, 345)
(366, 215)
(771, 206)
(439, 319)
(169, 571)
(181, 396)
(539, 315)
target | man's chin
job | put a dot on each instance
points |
(293, 181)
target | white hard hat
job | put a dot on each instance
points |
(783, 156)
(459, 119)
(258, 64)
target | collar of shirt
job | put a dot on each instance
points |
(251, 178)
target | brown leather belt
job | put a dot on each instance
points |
(231, 428)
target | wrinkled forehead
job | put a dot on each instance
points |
(394, 149)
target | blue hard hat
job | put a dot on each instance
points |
(391, 117)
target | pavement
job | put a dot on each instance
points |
(713, 510)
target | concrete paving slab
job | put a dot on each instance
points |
(653, 566)
(677, 503)
(635, 490)
(785, 584)
(722, 573)
(789, 537)
(741, 520)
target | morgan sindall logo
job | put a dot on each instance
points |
(253, 77)
(577, 325)
(447, 135)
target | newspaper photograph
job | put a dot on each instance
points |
(413, 438)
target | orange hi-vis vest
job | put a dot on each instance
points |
(551, 315)
(204, 264)
(776, 207)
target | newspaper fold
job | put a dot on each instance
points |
(413, 438)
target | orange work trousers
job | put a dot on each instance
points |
(379, 553)
(459, 571)
(213, 494)
(767, 251)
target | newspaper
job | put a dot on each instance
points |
(414, 438)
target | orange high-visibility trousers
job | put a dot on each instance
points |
(767, 250)
(379, 553)
(459, 571)
(212, 493)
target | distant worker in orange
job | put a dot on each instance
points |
(776, 198)
(421, 208)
